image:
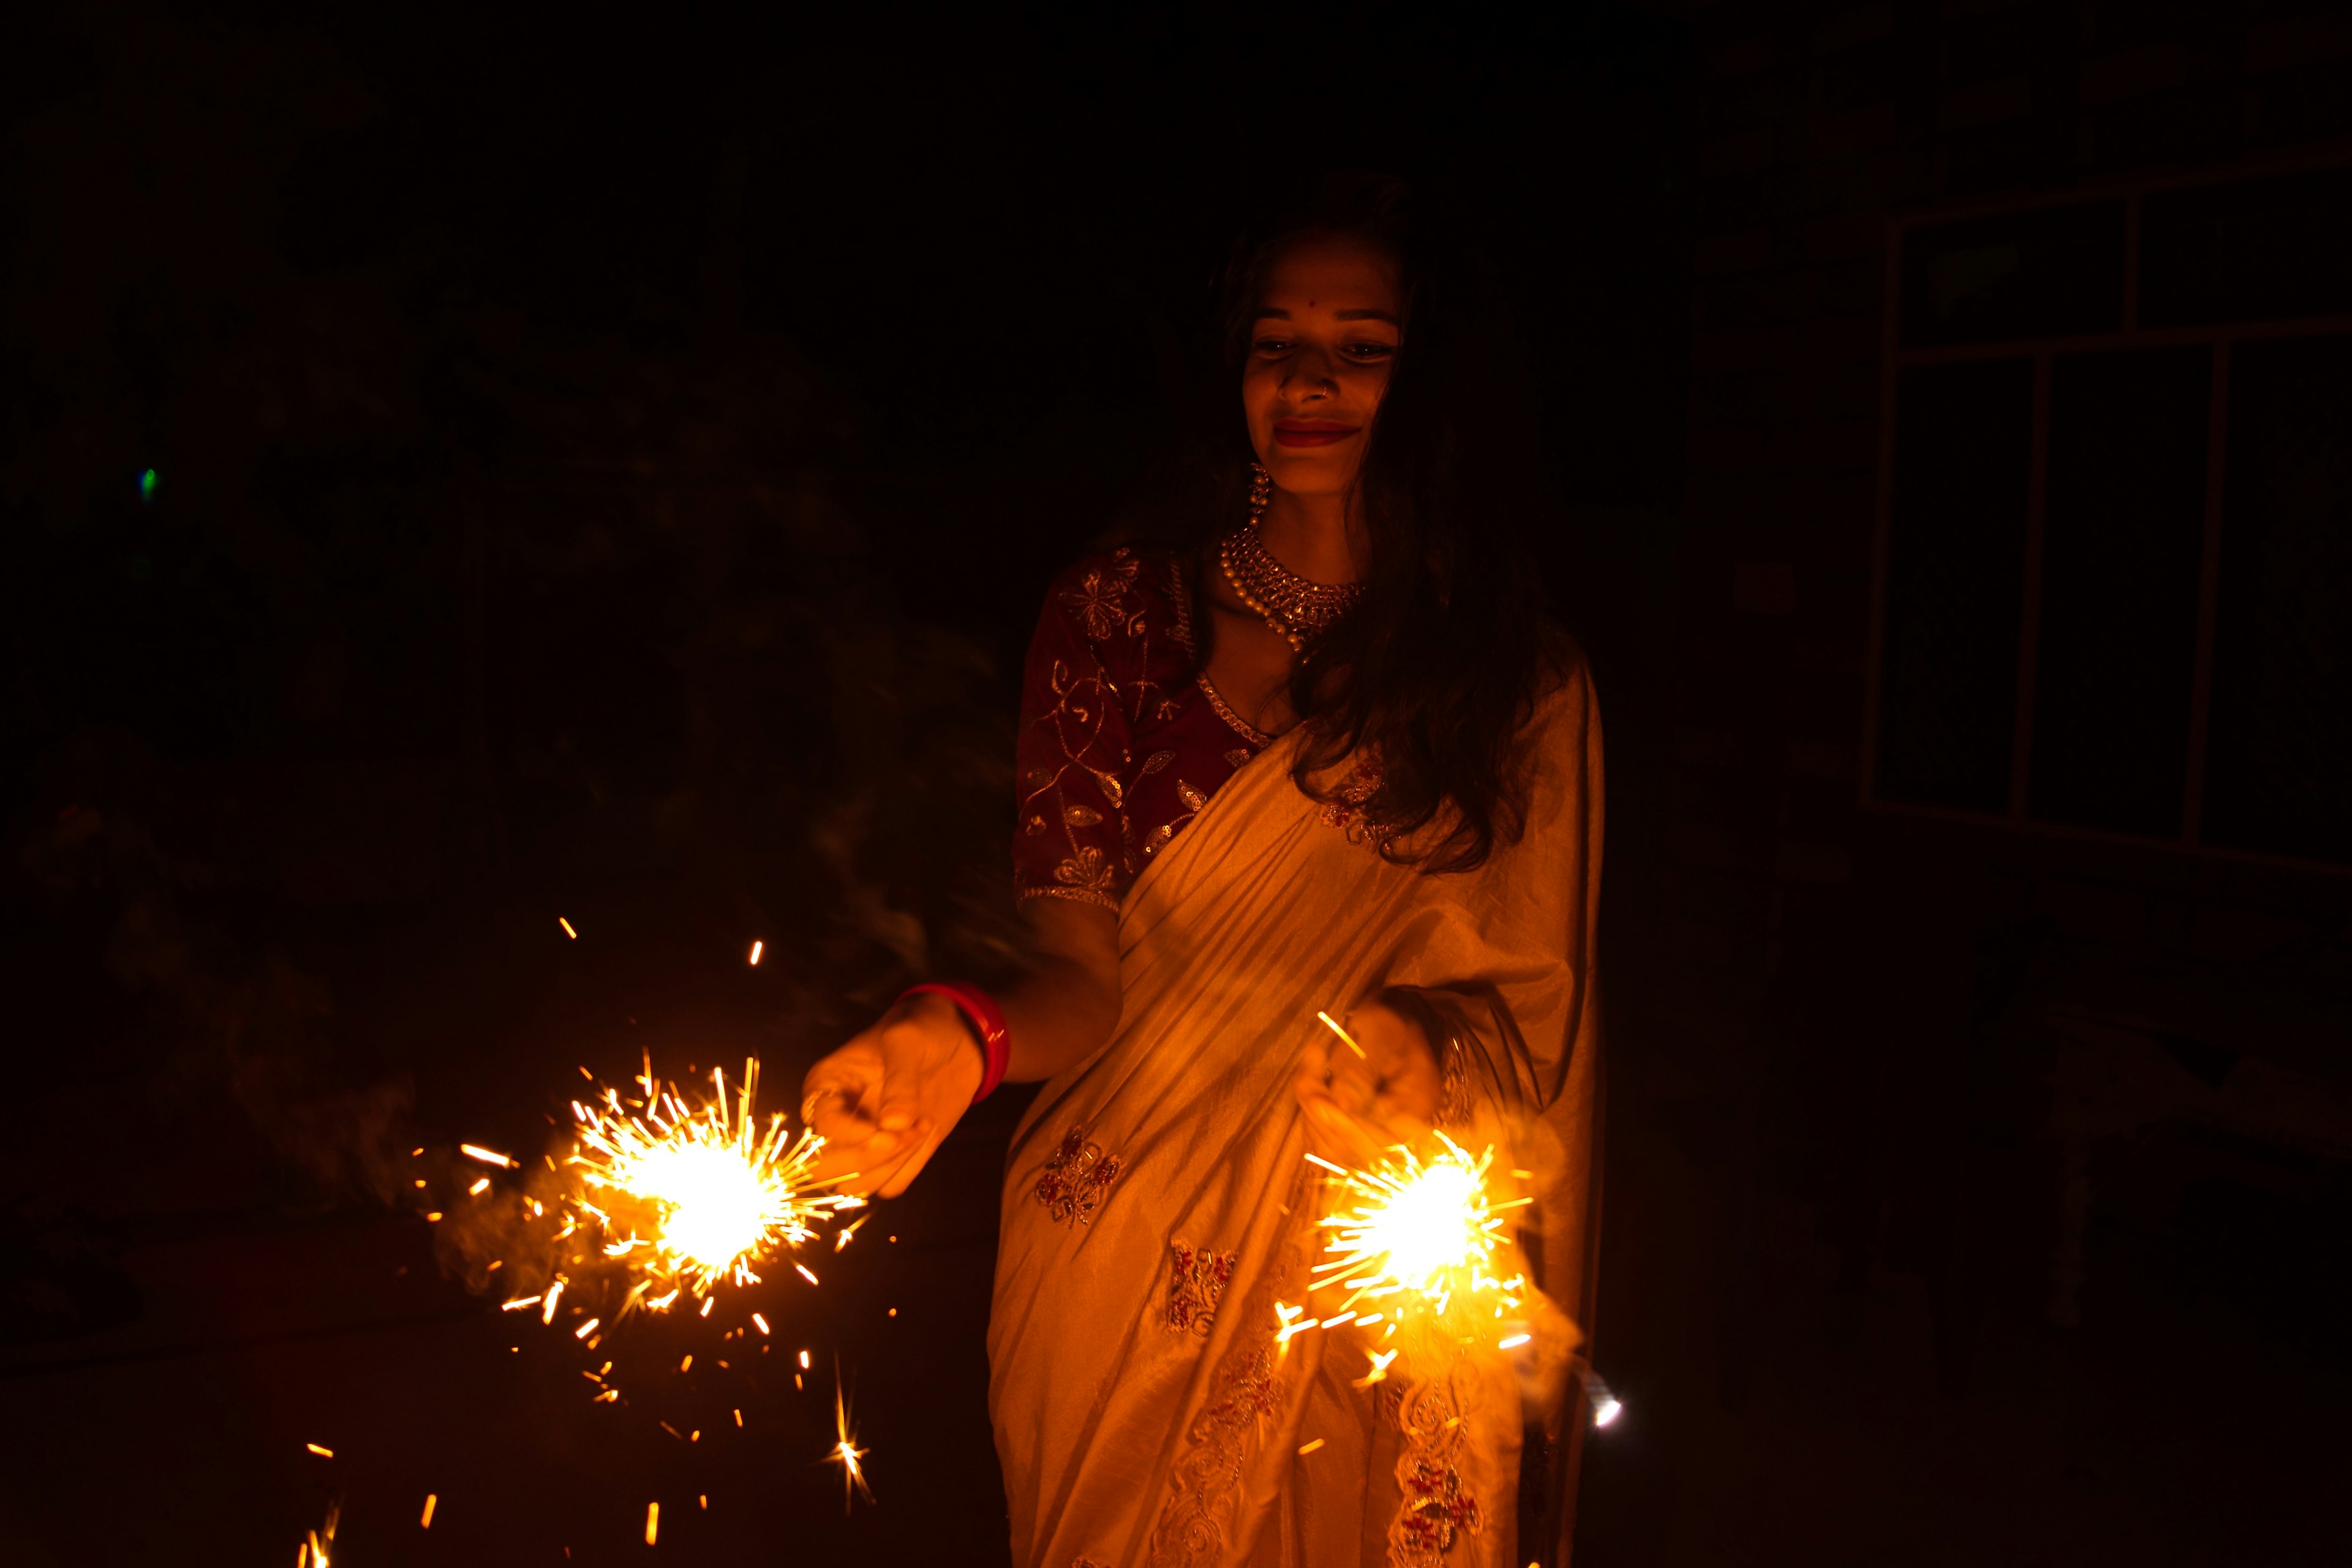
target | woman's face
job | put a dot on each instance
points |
(1327, 324)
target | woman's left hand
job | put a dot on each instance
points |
(1358, 1107)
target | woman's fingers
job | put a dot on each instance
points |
(923, 1142)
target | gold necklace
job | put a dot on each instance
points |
(1298, 607)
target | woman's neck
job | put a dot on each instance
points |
(1313, 535)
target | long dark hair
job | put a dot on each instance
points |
(1437, 672)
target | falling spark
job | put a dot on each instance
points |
(1343, 1034)
(846, 1451)
(841, 1238)
(653, 1522)
(487, 1156)
(430, 1498)
(567, 928)
(804, 1360)
(585, 1329)
(1418, 1235)
(686, 1362)
(1379, 1371)
(478, 1188)
(762, 1322)
(739, 1419)
(802, 1270)
(1305, 1449)
(323, 1453)
(756, 949)
(1606, 1406)
(1515, 1340)
(691, 1197)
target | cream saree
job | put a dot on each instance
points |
(1157, 1204)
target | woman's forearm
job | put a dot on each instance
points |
(1067, 1004)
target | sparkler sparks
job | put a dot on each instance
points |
(1419, 1236)
(846, 1451)
(313, 1553)
(1348, 1039)
(692, 1198)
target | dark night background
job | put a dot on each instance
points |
(606, 465)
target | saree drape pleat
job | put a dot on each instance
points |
(1158, 1203)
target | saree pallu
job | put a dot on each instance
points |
(1158, 1203)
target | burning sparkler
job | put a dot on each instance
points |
(689, 1197)
(1417, 1241)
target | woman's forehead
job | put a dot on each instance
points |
(1331, 273)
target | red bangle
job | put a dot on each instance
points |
(987, 1020)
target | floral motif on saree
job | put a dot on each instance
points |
(1206, 1493)
(1074, 1180)
(1198, 1277)
(1436, 1508)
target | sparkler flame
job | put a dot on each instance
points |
(694, 1196)
(1417, 1240)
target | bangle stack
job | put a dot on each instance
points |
(987, 1020)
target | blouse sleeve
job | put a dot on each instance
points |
(1072, 839)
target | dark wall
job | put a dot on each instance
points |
(1944, 1049)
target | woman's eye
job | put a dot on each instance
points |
(1369, 350)
(1270, 346)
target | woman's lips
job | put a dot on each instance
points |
(1310, 432)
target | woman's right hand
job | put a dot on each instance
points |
(883, 1102)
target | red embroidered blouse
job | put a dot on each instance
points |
(1122, 738)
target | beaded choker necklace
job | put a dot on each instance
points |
(1300, 608)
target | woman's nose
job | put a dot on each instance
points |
(1310, 374)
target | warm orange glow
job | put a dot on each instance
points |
(1417, 1235)
(567, 928)
(430, 1498)
(653, 1522)
(757, 948)
(323, 1453)
(694, 1196)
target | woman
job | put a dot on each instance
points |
(1330, 758)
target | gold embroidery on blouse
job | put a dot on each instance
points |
(1238, 756)
(1088, 868)
(1239, 726)
(1154, 762)
(1197, 1277)
(1075, 1178)
(1084, 699)
(1075, 896)
(1190, 796)
(1180, 597)
(1101, 601)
